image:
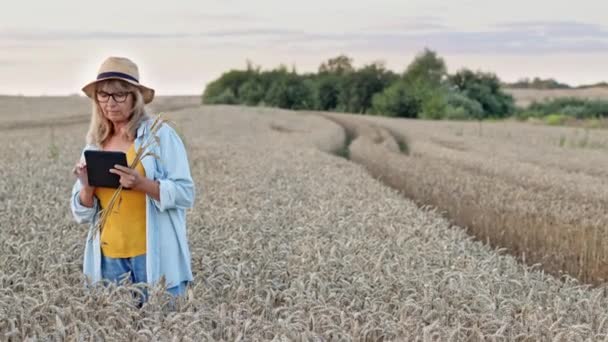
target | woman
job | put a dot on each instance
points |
(144, 237)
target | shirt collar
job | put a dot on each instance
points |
(143, 128)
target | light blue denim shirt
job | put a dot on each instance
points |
(167, 252)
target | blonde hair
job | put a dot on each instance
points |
(100, 128)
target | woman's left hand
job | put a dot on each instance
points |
(129, 178)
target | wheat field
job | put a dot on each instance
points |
(513, 185)
(292, 242)
(524, 97)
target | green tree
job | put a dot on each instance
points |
(485, 88)
(290, 91)
(327, 92)
(339, 65)
(252, 92)
(425, 79)
(225, 97)
(231, 80)
(396, 100)
(460, 107)
(359, 87)
(427, 68)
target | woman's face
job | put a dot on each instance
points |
(115, 104)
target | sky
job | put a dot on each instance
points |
(55, 47)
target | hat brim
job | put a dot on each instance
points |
(147, 93)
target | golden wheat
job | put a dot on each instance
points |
(288, 242)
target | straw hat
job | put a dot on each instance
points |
(119, 68)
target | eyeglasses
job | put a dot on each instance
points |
(104, 97)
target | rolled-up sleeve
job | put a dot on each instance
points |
(175, 181)
(81, 213)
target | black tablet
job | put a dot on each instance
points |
(99, 164)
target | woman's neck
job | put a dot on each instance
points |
(120, 128)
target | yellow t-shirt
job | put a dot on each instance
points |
(124, 233)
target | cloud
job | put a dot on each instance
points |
(526, 38)
(408, 24)
(9, 62)
(268, 32)
(521, 38)
(63, 35)
(221, 18)
(67, 35)
(513, 38)
(560, 28)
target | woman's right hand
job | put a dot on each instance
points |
(87, 192)
(80, 170)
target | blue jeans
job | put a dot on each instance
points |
(134, 269)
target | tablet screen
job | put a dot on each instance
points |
(99, 164)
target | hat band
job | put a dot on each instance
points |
(116, 74)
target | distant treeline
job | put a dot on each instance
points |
(561, 109)
(423, 90)
(549, 83)
(537, 83)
